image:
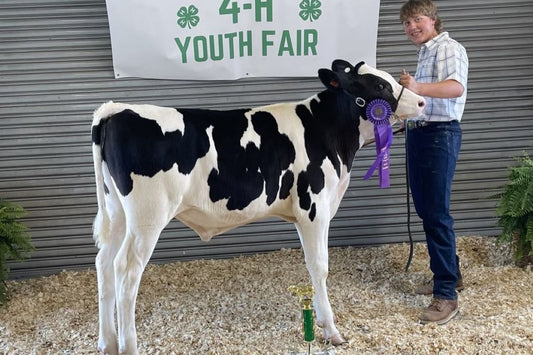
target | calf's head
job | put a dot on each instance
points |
(365, 83)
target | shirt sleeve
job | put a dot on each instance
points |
(452, 63)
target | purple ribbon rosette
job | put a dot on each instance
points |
(378, 112)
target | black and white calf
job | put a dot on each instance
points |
(217, 170)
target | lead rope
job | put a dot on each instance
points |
(408, 203)
(407, 200)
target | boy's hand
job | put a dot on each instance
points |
(407, 81)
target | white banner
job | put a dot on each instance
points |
(230, 39)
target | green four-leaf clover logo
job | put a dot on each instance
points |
(310, 10)
(187, 17)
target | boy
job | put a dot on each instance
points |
(433, 144)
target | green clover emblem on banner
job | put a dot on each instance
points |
(310, 10)
(187, 17)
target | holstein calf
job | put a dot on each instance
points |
(217, 170)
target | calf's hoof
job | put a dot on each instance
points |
(108, 350)
(337, 340)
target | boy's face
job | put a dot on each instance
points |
(419, 29)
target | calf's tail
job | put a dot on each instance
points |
(101, 224)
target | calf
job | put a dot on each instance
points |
(217, 170)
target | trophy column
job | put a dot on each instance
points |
(305, 296)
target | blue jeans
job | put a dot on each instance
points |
(432, 151)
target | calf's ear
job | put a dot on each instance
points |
(329, 79)
(341, 66)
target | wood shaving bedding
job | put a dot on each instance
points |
(242, 306)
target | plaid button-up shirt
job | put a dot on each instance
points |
(439, 59)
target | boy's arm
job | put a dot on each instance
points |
(445, 89)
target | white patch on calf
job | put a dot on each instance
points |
(288, 123)
(169, 119)
(333, 183)
(250, 135)
(366, 131)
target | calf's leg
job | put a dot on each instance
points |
(314, 239)
(109, 246)
(129, 265)
(107, 333)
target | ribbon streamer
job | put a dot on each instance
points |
(378, 112)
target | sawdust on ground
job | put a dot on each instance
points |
(242, 306)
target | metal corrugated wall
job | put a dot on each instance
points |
(55, 68)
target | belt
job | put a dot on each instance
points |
(419, 123)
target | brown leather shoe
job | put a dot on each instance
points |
(439, 311)
(427, 288)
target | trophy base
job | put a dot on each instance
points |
(329, 351)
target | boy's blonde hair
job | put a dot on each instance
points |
(421, 7)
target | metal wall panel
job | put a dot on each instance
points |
(56, 67)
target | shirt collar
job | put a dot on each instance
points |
(434, 42)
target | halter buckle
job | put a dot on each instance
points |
(359, 101)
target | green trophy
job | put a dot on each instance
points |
(305, 296)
